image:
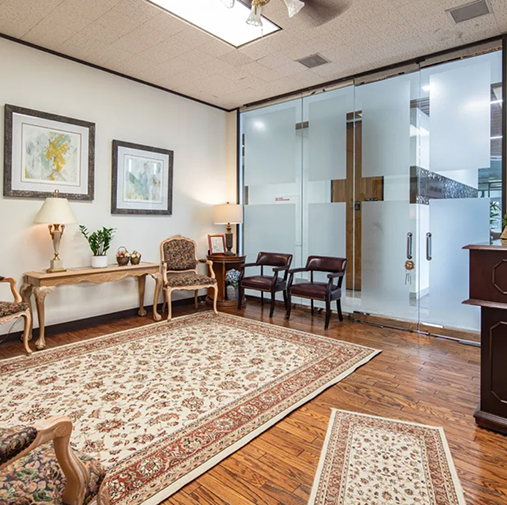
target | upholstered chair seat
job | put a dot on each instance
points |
(189, 279)
(327, 291)
(266, 283)
(9, 308)
(16, 309)
(32, 473)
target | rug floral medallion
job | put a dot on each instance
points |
(376, 461)
(161, 404)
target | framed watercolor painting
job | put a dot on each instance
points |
(216, 244)
(142, 179)
(45, 152)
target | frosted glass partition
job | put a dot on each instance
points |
(326, 237)
(272, 144)
(384, 250)
(326, 143)
(454, 223)
(460, 120)
(385, 110)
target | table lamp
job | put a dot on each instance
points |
(228, 214)
(56, 213)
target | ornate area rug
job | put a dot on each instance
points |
(161, 404)
(376, 461)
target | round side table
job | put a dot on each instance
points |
(221, 264)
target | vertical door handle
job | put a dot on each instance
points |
(429, 246)
(409, 245)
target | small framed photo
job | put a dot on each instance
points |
(45, 152)
(142, 179)
(216, 244)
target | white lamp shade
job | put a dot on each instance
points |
(228, 213)
(55, 211)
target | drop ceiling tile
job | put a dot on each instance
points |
(17, 18)
(236, 58)
(139, 40)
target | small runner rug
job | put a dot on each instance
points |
(161, 404)
(372, 460)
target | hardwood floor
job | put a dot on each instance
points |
(415, 378)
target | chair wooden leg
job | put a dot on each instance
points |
(103, 496)
(262, 299)
(288, 306)
(339, 309)
(27, 316)
(215, 296)
(196, 299)
(240, 296)
(312, 305)
(272, 305)
(285, 299)
(164, 297)
(328, 313)
(167, 292)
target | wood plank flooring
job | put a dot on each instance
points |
(415, 378)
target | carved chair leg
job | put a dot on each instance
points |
(215, 296)
(196, 298)
(289, 305)
(103, 496)
(328, 313)
(272, 305)
(27, 316)
(164, 297)
(339, 309)
(168, 291)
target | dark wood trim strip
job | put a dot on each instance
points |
(504, 124)
(118, 74)
(88, 322)
(418, 60)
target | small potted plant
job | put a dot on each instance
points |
(231, 281)
(122, 256)
(135, 258)
(100, 242)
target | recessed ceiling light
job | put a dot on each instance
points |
(226, 24)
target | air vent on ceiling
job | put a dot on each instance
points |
(313, 61)
(469, 11)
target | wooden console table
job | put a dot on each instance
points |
(41, 283)
(222, 263)
(488, 290)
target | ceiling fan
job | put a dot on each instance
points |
(318, 11)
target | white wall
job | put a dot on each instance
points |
(204, 143)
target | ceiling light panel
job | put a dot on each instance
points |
(211, 16)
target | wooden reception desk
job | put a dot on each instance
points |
(488, 290)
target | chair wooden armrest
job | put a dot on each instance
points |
(58, 429)
(335, 275)
(14, 291)
(297, 270)
(210, 266)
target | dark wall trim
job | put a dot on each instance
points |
(394, 66)
(89, 322)
(118, 74)
(504, 125)
(239, 234)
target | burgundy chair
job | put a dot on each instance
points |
(266, 283)
(326, 291)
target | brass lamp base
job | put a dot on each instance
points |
(56, 266)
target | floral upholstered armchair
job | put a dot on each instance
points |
(14, 310)
(178, 255)
(38, 466)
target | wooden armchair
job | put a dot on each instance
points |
(326, 291)
(178, 255)
(14, 310)
(38, 466)
(266, 283)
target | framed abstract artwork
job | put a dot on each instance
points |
(45, 152)
(142, 179)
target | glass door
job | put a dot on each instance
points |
(386, 214)
(459, 203)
